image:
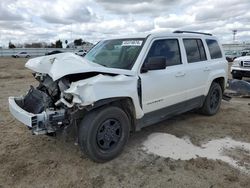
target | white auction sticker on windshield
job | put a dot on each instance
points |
(132, 43)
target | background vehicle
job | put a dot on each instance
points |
(122, 85)
(244, 52)
(21, 54)
(53, 52)
(231, 55)
(81, 52)
(241, 67)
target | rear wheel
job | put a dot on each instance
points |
(103, 133)
(213, 100)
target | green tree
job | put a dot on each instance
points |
(78, 42)
(11, 45)
(58, 44)
(33, 45)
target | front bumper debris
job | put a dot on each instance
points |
(23, 116)
(40, 123)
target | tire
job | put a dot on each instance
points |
(213, 100)
(103, 133)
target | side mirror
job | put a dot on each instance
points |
(154, 63)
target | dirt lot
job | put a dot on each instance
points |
(41, 161)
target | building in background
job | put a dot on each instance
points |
(236, 47)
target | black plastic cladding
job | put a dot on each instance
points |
(193, 32)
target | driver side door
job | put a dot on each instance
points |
(166, 87)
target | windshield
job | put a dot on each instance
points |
(117, 53)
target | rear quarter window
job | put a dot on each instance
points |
(214, 49)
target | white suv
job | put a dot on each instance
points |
(122, 85)
(241, 67)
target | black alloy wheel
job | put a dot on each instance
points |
(109, 134)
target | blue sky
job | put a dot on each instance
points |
(25, 21)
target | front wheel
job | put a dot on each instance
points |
(103, 133)
(213, 100)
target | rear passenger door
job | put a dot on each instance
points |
(197, 68)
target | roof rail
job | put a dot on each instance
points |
(193, 32)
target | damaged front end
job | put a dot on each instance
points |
(68, 87)
(56, 105)
(41, 108)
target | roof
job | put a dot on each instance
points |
(163, 34)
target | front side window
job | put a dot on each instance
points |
(168, 48)
(117, 53)
(214, 49)
(195, 50)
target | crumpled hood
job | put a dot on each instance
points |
(59, 65)
(242, 58)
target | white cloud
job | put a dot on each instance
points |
(137, 7)
(8, 11)
(174, 21)
(28, 20)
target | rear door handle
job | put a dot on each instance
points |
(180, 74)
(207, 69)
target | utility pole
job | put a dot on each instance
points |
(71, 33)
(234, 34)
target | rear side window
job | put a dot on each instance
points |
(168, 48)
(195, 50)
(214, 49)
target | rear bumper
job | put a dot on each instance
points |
(29, 119)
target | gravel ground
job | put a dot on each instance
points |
(41, 161)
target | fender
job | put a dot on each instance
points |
(219, 73)
(105, 88)
(103, 102)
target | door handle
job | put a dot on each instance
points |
(207, 69)
(180, 74)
